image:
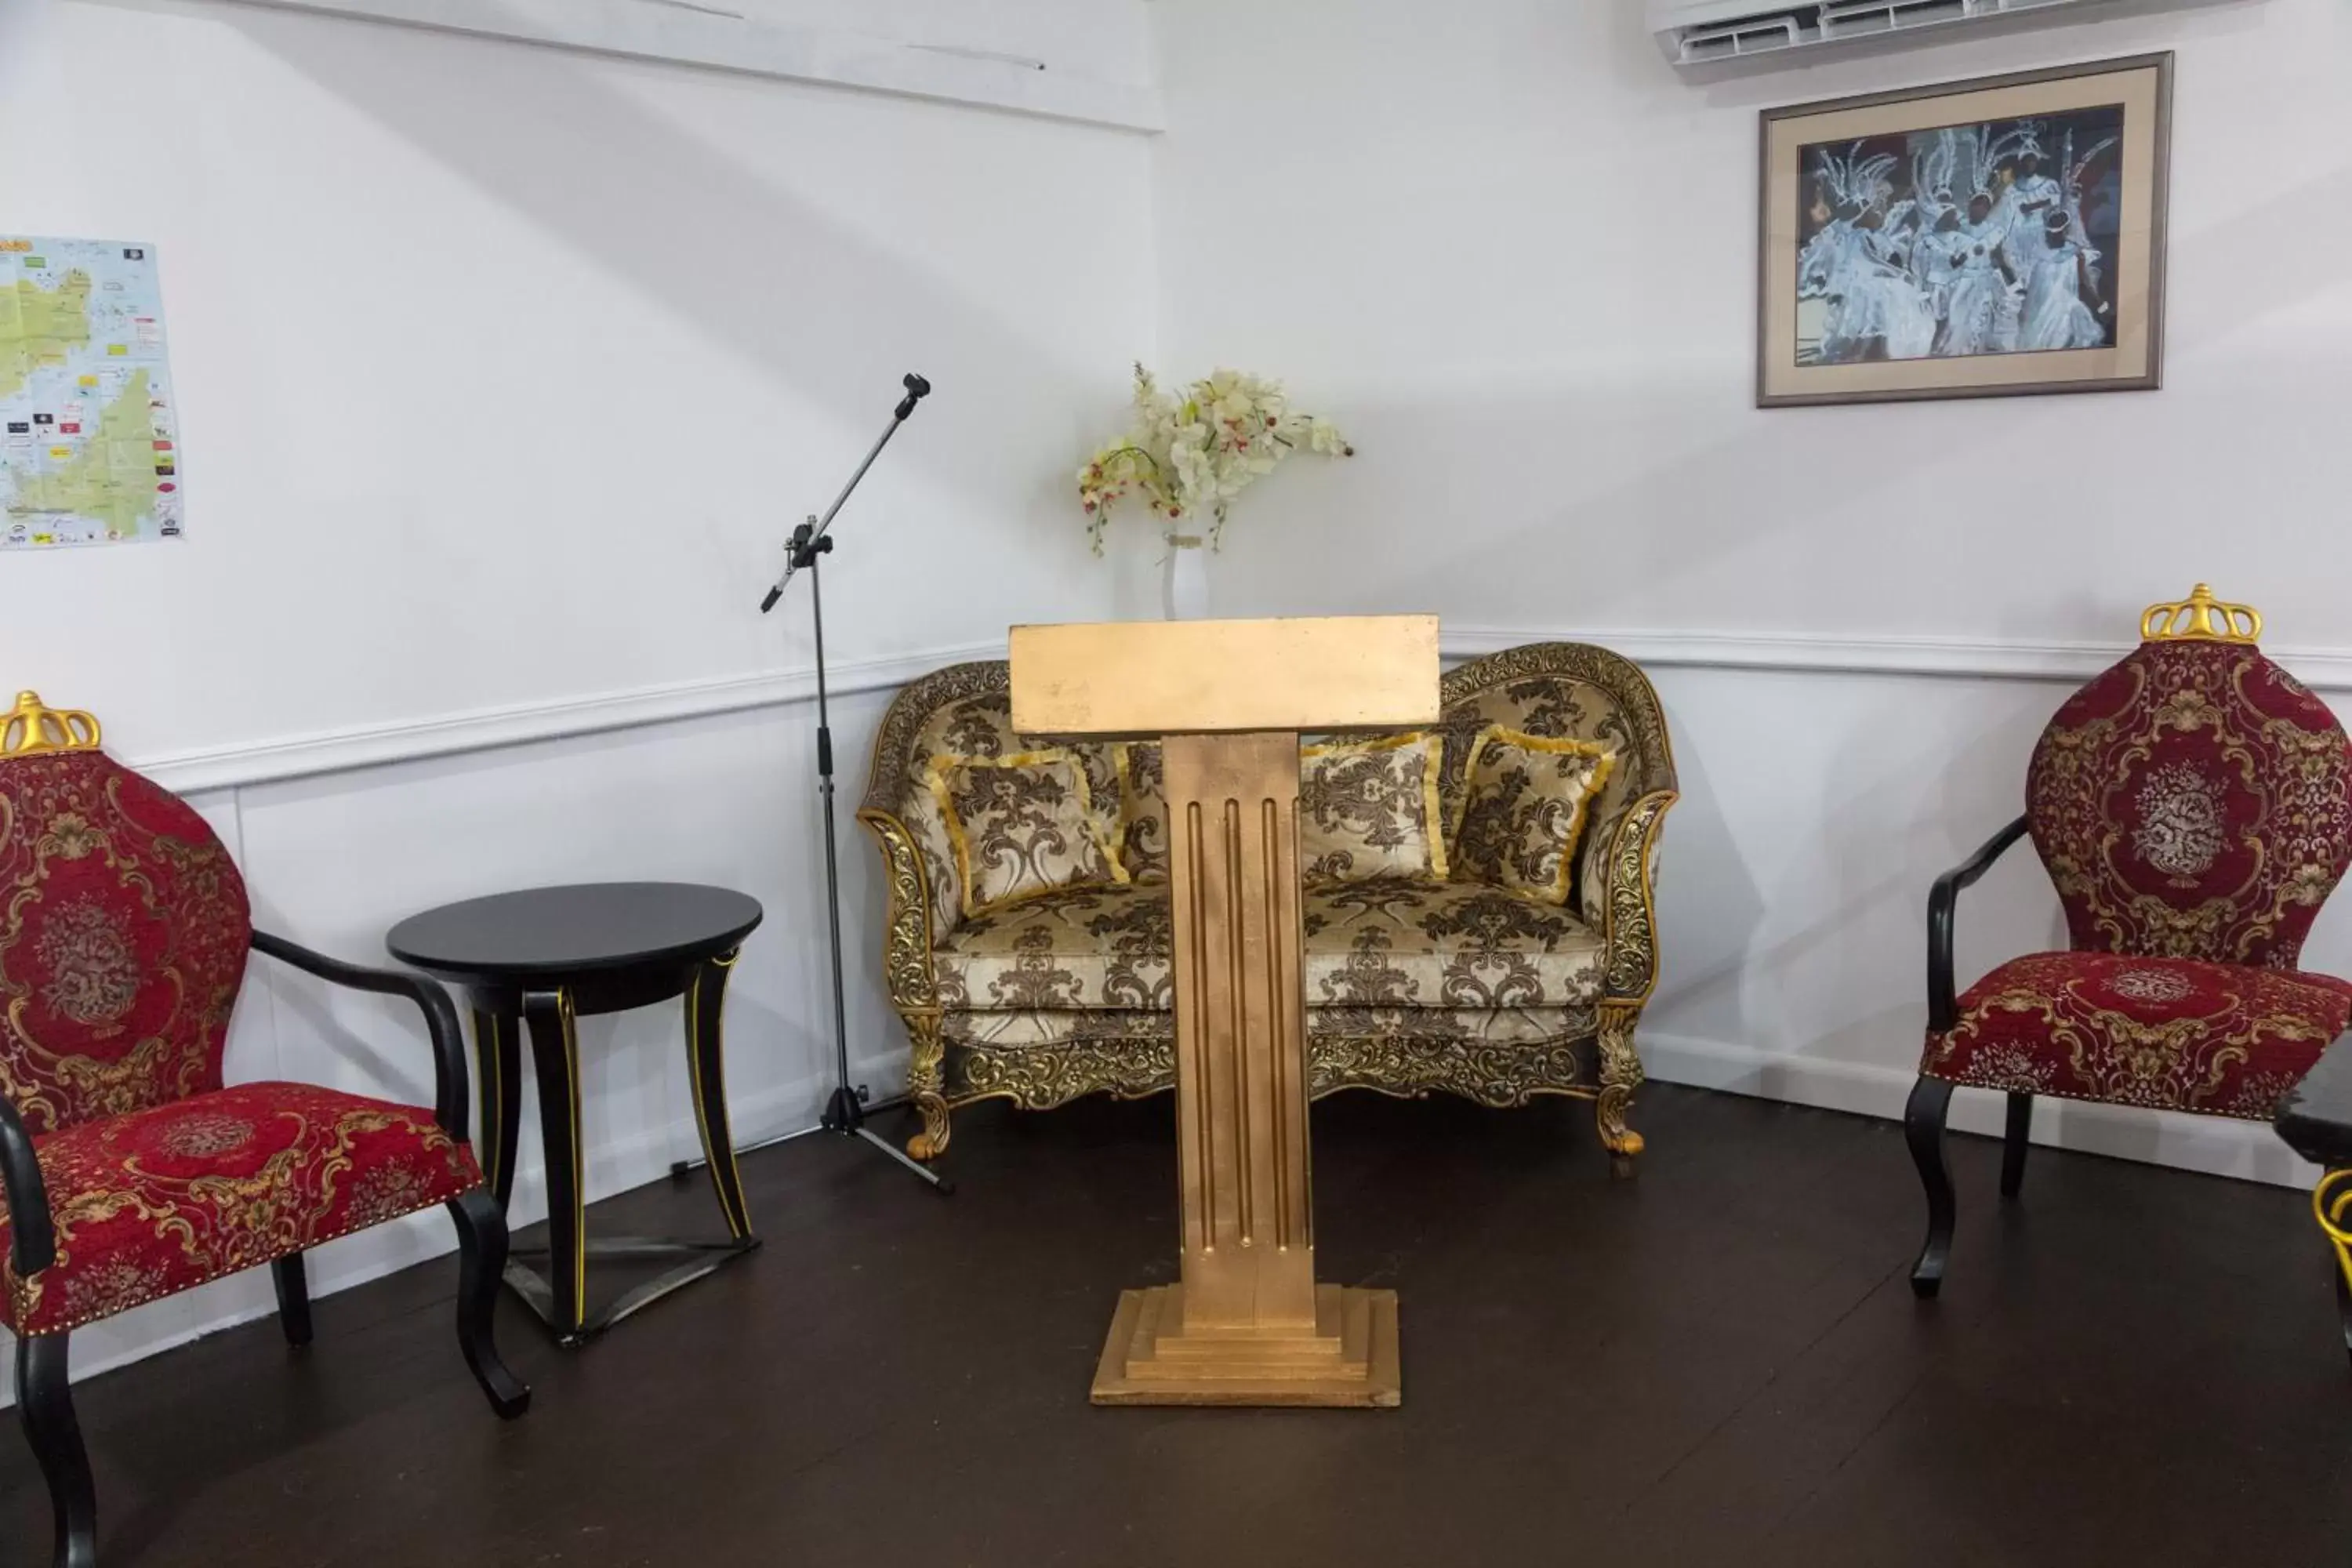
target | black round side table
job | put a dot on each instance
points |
(541, 958)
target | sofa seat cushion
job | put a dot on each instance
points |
(1078, 948)
(1388, 942)
(1394, 943)
(2175, 1034)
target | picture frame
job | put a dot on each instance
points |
(1994, 236)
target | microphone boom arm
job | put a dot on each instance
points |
(805, 550)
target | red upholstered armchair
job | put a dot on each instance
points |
(131, 1170)
(2193, 805)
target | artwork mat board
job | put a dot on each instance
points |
(2142, 84)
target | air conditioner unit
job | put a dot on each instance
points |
(1704, 32)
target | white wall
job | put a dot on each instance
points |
(502, 372)
(1513, 254)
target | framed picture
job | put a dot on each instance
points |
(2004, 234)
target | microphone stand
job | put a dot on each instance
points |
(845, 1111)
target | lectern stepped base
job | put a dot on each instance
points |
(1348, 1360)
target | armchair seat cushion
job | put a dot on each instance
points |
(2172, 1034)
(1384, 942)
(164, 1199)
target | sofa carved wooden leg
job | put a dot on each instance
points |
(45, 1405)
(1621, 1075)
(1923, 1129)
(927, 1087)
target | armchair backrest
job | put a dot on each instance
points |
(123, 929)
(1562, 690)
(2194, 800)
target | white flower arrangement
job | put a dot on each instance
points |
(1193, 453)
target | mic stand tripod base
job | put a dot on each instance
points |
(845, 1116)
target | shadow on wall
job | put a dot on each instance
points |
(772, 279)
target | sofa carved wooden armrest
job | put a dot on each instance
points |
(1412, 986)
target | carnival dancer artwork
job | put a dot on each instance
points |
(1959, 241)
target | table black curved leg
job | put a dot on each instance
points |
(706, 997)
(498, 1067)
(555, 1052)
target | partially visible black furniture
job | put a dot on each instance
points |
(542, 958)
(2316, 1120)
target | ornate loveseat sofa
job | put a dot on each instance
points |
(1412, 986)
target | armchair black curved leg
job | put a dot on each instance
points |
(481, 1266)
(2015, 1141)
(45, 1405)
(293, 1297)
(1923, 1129)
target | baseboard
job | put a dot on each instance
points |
(2215, 1145)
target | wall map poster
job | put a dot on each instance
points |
(90, 450)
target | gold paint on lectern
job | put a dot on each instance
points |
(1247, 1325)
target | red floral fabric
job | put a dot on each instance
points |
(164, 1199)
(2169, 1033)
(2193, 801)
(122, 941)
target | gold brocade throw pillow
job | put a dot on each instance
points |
(1524, 799)
(1142, 837)
(1368, 808)
(1022, 826)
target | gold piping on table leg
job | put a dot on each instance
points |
(2331, 1204)
(486, 1065)
(579, 1164)
(1621, 1075)
(927, 1084)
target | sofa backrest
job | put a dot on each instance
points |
(1554, 690)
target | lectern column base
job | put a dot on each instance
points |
(1348, 1360)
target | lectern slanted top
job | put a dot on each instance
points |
(1247, 1325)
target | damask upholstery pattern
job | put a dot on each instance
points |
(1369, 809)
(2170, 1033)
(1142, 809)
(1524, 801)
(1329, 1028)
(122, 941)
(168, 1197)
(1390, 941)
(1069, 993)
(1022, 826)
(2194, 801)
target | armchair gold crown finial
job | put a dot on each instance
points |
(32, 728)
(2201, 617)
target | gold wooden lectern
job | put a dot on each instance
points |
(1247, 1325)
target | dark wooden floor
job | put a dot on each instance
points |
(1717, 1362)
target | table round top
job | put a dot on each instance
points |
(593, 927)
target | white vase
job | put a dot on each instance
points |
(1185, 588)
